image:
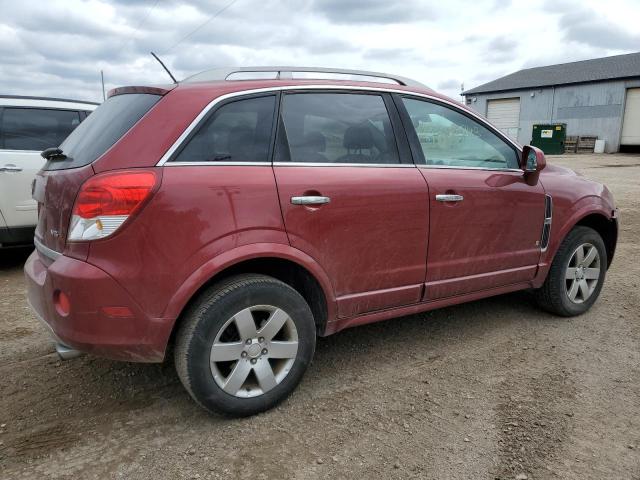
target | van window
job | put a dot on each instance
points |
(36, 128)
(336, 128)
(239, 131)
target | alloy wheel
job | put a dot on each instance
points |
(583, 273)
(254, 351)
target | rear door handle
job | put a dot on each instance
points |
(449, 198)
(10, 167)
(310, 200)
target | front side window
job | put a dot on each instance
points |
(336, 128)
(36, 128)
(449, 138)
(239, 131)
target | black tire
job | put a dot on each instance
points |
(552, 296)
(204, 321)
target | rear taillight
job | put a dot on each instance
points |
(106, 201)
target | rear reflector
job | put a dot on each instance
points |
(62, 303)
(106, 201)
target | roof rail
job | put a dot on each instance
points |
(286, 73)
(53, 99)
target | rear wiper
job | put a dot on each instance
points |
(53, 154)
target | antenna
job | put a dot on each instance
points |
(165, 67)
(102, 78)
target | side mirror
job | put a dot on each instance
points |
(533, 159)
(533, 162)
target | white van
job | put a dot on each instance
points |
(29, 125)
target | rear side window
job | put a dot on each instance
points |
(336, 128)
(239, 131)
(36, 128)
(104, 127)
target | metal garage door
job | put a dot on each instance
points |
(631, 122)
(505, 114)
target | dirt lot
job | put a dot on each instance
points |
(491, 389)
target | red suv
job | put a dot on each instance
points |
(239, 214)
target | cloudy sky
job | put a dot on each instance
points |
(57, 48)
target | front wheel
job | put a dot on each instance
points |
(576, 275)
(245, 345)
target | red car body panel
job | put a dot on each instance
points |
(500, 209)
(382, 247)
(574, 198)
(135, 337)
(196, 215)
(376, 229)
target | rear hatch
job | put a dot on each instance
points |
(57, 184)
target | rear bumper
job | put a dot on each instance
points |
(87, 327)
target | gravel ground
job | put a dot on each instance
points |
(493, 389)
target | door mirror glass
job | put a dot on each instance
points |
(533, 160)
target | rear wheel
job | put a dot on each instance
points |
(576, 275)
(245, 345)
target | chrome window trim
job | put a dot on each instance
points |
(46, 251)
(330, 164)
(302, 88)
(456, 167)
(20, 152)
(216, 164)
(547, 223)
(287, 164)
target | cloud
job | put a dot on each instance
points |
(59, 48)
(587, 27)
(392, 54)
(500, 49)
(450, 84)
(375, 11)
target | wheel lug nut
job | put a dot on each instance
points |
(261, 339)
(243, 354)
(264, 351)
(248, 341)
(253, 361)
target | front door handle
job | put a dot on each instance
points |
(449, 198)
(10, 167)
(310, 200)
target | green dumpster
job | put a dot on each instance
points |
(549, 137)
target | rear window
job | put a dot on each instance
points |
(35, 128)
(104, 127)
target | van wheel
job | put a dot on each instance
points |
(576, 275)
(245, 345)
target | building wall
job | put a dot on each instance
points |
(587, 109)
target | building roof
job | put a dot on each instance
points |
(595, 70)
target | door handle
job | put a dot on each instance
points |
(310, 200)
(449, 198)
(10, 167)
